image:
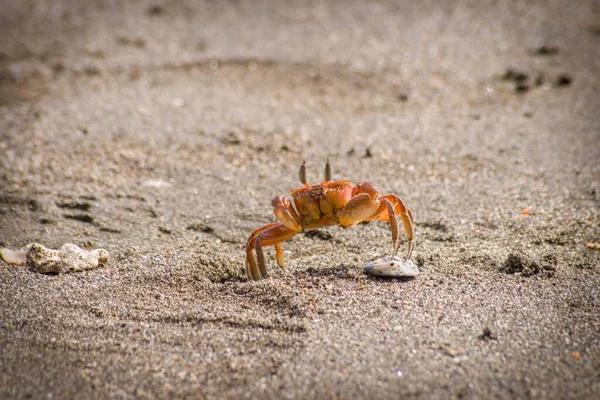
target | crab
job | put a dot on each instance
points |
(325, 204)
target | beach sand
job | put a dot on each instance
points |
(161, 131)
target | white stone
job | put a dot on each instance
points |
(392, 267)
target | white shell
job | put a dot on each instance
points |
(392, 267)
(18, 257)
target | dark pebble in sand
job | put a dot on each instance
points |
(33, 205)
(514, 75)
(155, 10)
(81, 217)
(201, 227)
(74, 205)
(164, 229)
(545, 50)
(487, 334)
(109, 229)
(521, 87)
(563, 80)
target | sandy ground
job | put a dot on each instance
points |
(161, 131)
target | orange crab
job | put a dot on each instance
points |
(328, 203)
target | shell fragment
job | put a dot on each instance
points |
(70, 258)
(392, 267)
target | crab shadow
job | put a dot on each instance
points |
(347, 272)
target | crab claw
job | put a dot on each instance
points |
(269, 235)
(392, 267)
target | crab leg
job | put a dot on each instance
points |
(279, 256)
(268, 235)
(405, 215)
(251, 266)
(393, 226)
(260, 257)
(363, 207)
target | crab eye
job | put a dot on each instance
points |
(302, 172)
(328, 170)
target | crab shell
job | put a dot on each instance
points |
(320, 205)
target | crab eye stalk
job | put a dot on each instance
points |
(328, 170)
(302, 172)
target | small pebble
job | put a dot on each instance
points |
(563, 80)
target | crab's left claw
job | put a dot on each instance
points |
(269, 235)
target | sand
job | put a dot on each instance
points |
(161, 131)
